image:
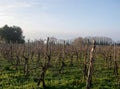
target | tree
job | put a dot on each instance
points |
(78, 42)
(12, 34)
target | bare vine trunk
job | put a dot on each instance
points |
(115, 62)
(45, 66)
(62, 59)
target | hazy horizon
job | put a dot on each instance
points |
(63, 19)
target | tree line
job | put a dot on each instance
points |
(14, 34)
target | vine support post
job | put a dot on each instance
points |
(91, 66)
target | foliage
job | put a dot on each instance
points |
(12, 34)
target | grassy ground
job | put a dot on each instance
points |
(71, 78)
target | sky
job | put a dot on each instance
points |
(63, 19)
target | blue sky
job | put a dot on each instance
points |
(63, 19)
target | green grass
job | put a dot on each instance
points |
(71, 78)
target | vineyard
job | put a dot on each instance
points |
(39, 65)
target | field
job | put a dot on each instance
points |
(58, 66)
